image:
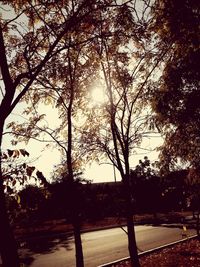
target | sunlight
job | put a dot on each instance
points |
(98, 95)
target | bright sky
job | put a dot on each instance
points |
(45, 160)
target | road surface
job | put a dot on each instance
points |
(99, 246)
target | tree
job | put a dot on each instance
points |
(63, 83)
(16, 173)
(64, 42)
(193, 196)
(33, 201)
(118, 126)
(27, 42)
(146, 182)
(176, 95)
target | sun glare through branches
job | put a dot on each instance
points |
(97, 95)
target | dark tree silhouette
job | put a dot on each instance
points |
(176, 95)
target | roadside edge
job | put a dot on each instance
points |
(110, 264)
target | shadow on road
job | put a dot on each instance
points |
(29, 249)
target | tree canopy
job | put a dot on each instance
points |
(176, 95)
(41, 45)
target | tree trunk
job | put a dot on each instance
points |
(132, 246)
(75, 211)
(78, 243)
(73, 199)
(132, 242)
(8, 247)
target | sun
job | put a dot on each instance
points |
(98, 95)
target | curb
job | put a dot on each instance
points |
(110, 264)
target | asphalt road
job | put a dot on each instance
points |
(99, 246)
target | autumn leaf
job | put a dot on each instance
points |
(24, 165)
(14, 183)
(41, 177)
(4, 156)
(6, 177)
(18, 199)
(30, 170)
(24, 152)
(10, 152)
(15, 153)
(9, 189)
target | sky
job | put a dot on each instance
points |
(46, 159)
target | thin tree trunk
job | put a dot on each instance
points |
(73, 207)
(132, 242)
(8, 247)
(75, 210)
(132, 245)
(76, 224)
(78, 242)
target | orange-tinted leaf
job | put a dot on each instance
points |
(24, 152)
(10, 152)
(29, 170)
(16, 153)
